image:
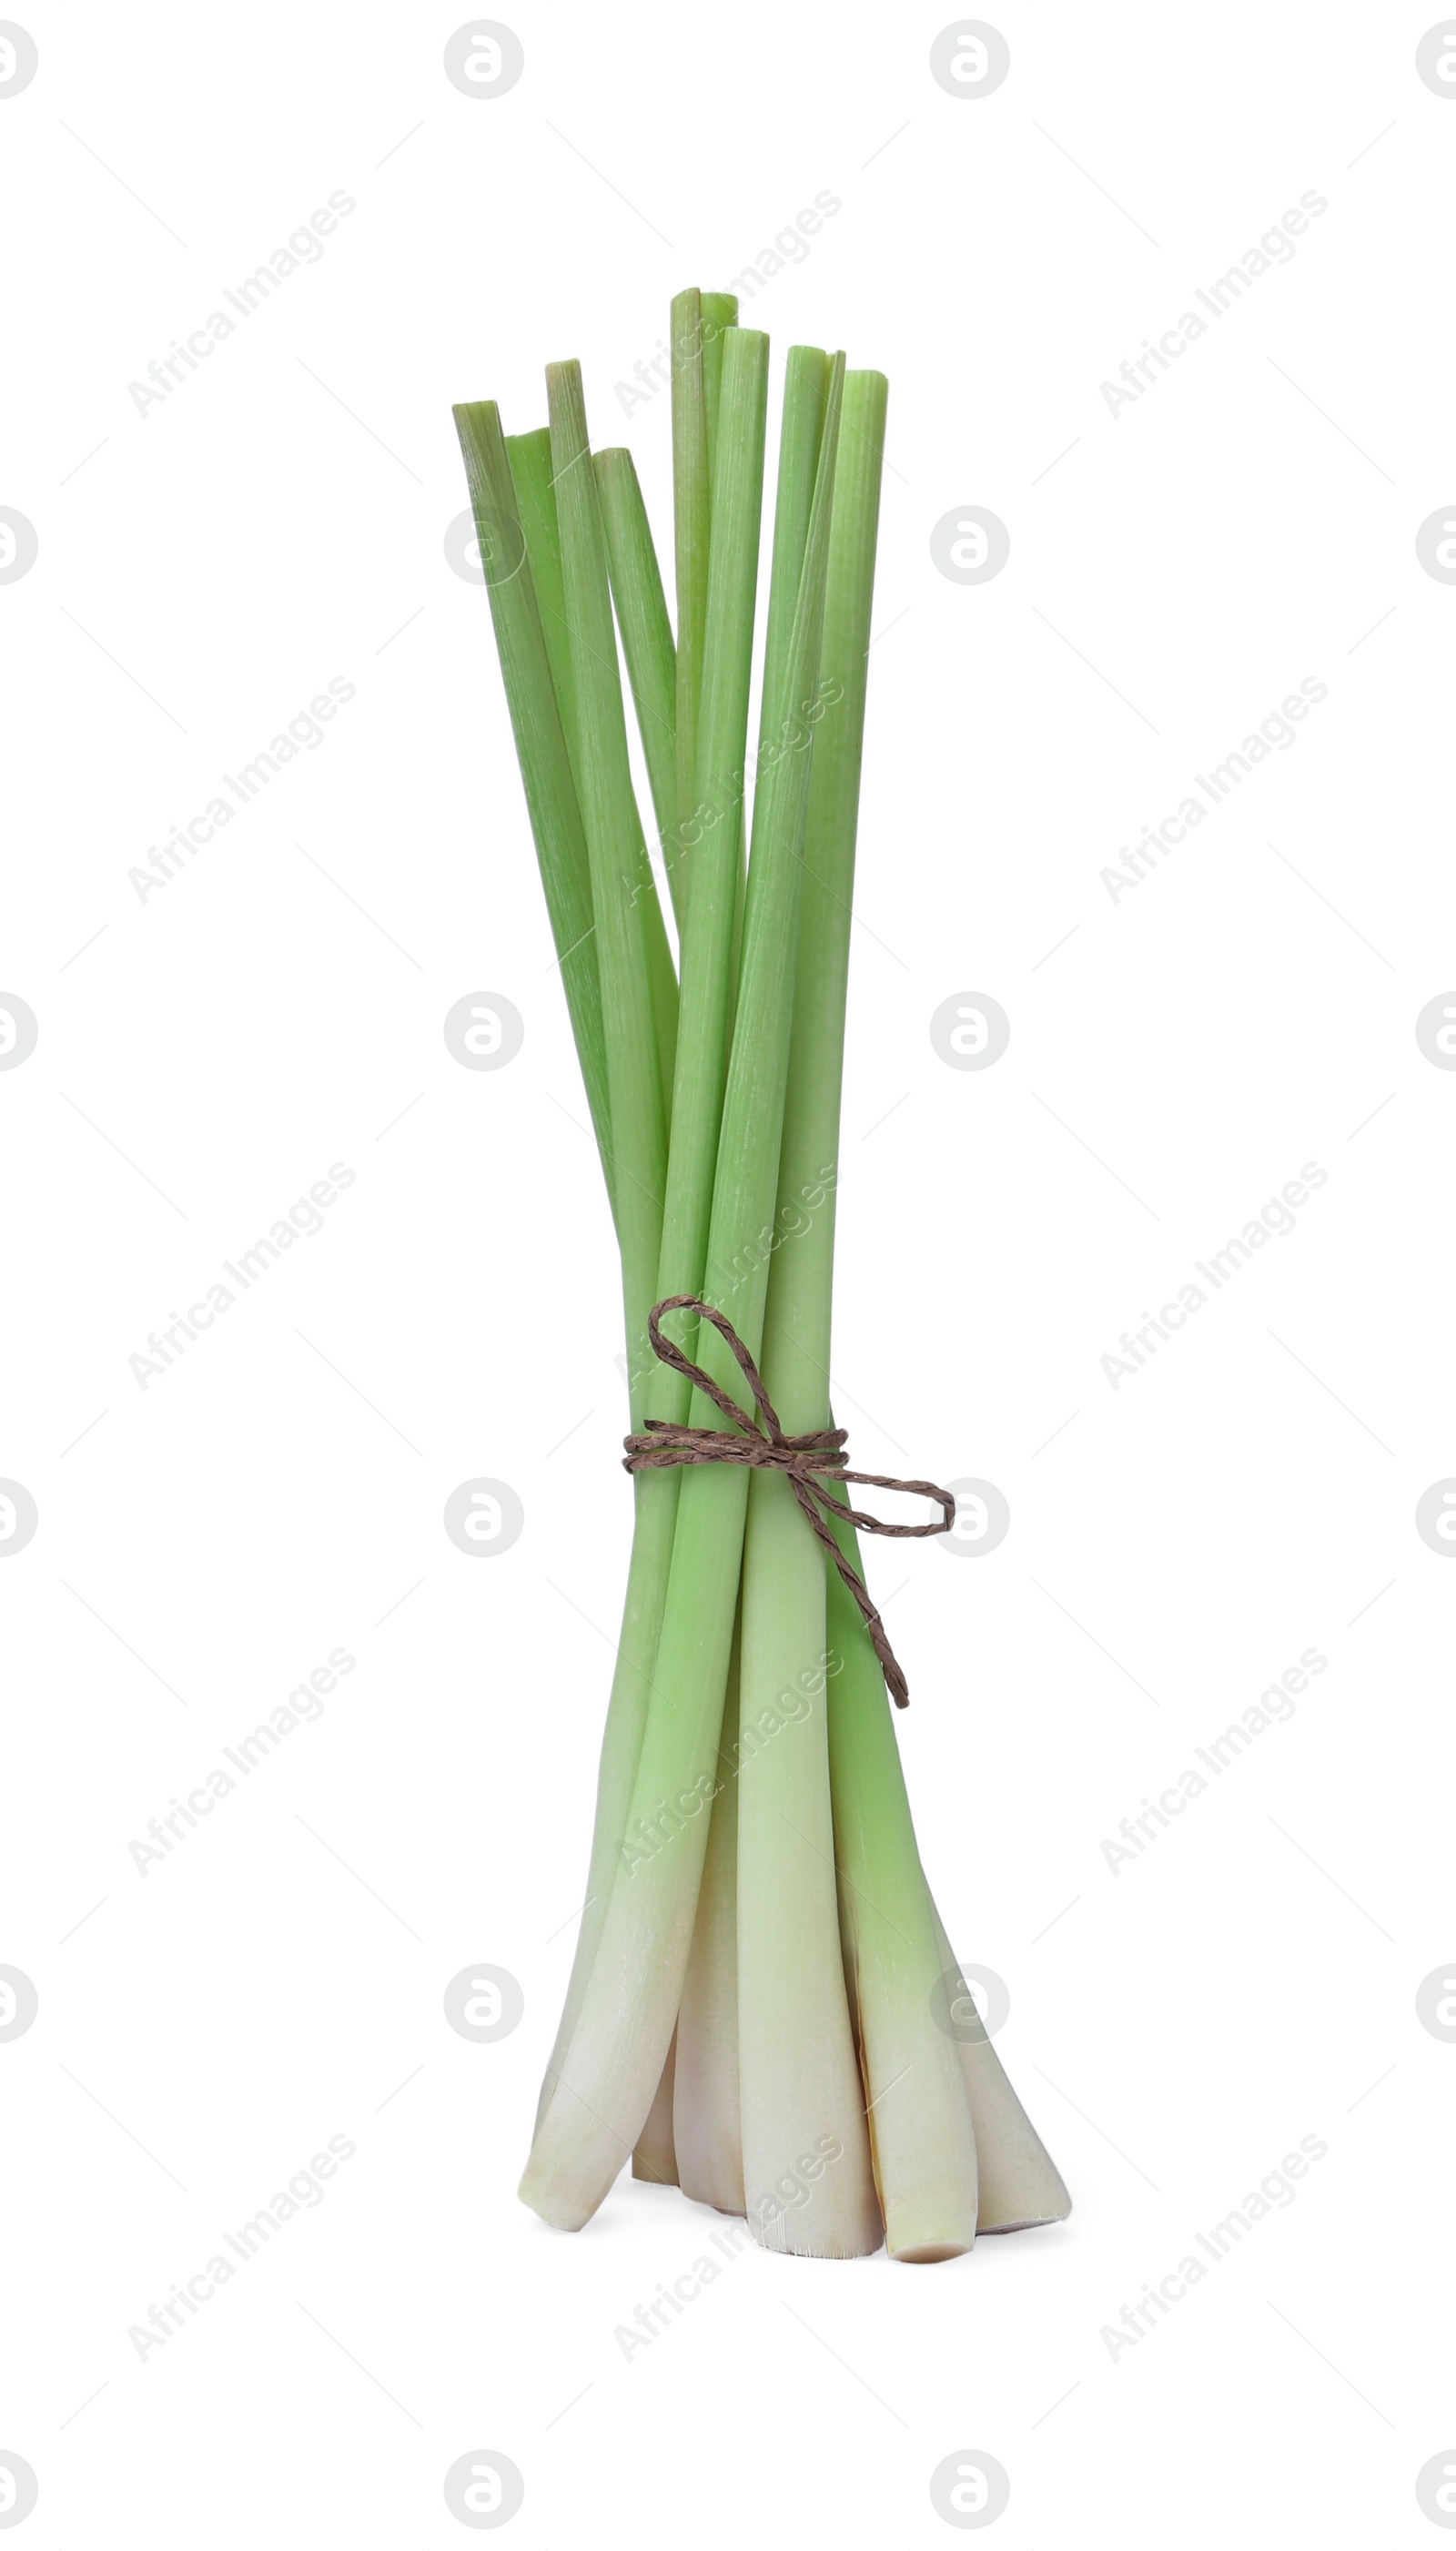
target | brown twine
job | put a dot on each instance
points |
(804, 1459)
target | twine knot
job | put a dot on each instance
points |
(807, 1462)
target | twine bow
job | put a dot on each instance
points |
(807, 1462)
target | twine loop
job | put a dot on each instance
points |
(807, 1462)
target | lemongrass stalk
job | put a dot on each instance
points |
(714, 830)
(918, 2115)
(692, 531)
(800, 2077)
(806, 379)
(647, 637)
(706, 2131)
(719, 315)
(541, 747)
(805, 387)
(934, 2191)
(614, 2061)
(534, 703)
(919, 2111)
(655, 2156)
(617, 861)
(902, 1970)
(699, 323)
(698, 1086)
(534, 476)
(697, 1091)
(798, 2072)
(1020, 2183)
(530, 463)
(631, 1026)
(654, 1520)
(697, 1102)
(660, 973)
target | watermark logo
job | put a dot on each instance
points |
(969, 1031)
(1435, 1028)
(983, 1519)
(969, 59)
(484, 1517)
(1435, 2481)
(19, 2487)
(19, 64)
(19, 2003)
(1435, 1518)
(483, 2003)
(970, 2487)
(1436, 2003)
(484, 2488)
(969, 545)
(19, 546)
(485, 549)
(18, 1516)
(1435, 64)
(484, 1031)
(18, 1029)
(970, 2004)
(1435, 545)
(483, 59)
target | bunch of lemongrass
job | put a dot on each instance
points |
(763, 2005)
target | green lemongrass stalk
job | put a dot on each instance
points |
(935, 2190)
(798, 2071)
(631, 1025)
(692, 530)
(533, 477)
(710, 935)
(902, 1968)
(614, 2062)
(530, 463)
(706, 2134)
(703, 1065)
(805, 388)
(714, 830)
(654, 1520)
(697, 1102)
(662, 973)
(707, 942)
(719, 314)
(702, 1060)
(799, 2081)
(541, 749)
(617, 859)
(699, 322)
(561, 842)
(647, 637)
(806, 379)
(918, 2115)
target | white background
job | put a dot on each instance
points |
(1174, 572)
